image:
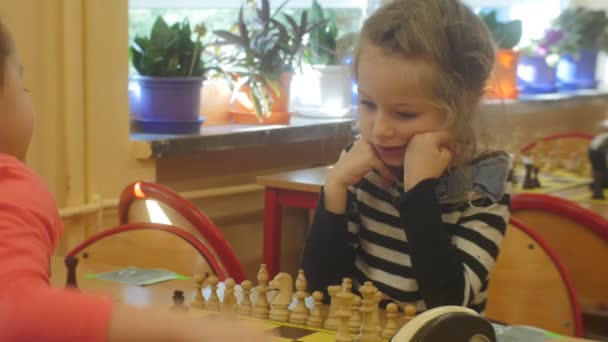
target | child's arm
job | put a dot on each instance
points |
(30, 310)
(451, 260)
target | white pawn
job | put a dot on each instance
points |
(377, 299)
(245, 307)
(199, 301)
(391, 326)
(410, 313)
(229, 301)
(333, 322)
(262, 306)
(213, 304)
(355, 320)
(315, 319)
(299, 314)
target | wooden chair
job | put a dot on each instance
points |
(580, 238)
(530, 286)
(571, 141)
(151, 202)
(150, 245)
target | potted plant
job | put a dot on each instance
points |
(267, 52)
(171, 72)
(537, 63)
(323, 87)
(506, 35)
(585, 35)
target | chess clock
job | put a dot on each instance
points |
(447, 323)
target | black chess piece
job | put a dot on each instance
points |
(528, 181)
(598, 156)
(535, 170)
(178, 301)
(71, 263)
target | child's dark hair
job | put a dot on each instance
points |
(447, 34)
(5, 50)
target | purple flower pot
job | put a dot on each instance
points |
(577, 73)
(167, 104)
(534, 76)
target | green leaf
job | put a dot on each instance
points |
(229, 38)
(161, 33)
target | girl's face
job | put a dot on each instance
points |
(16, 110)
(394, 102)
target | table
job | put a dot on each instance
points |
(300, 189)
(153, 295)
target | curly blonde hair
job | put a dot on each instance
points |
(456, 43)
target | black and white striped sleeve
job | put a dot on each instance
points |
(329, 252)
(451, 261)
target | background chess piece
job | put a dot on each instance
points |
(178, 302)
(299, 314)
(391, 326)
(368, 332)
(71, 263)
(410, 313)
(315, 319)
(280, 302)
(199, 301)
(245, 307)
(229, 301)
(261, 307)
(355, 319)
(332, 322)
(213, 304)
(345, 306)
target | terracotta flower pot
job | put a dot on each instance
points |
(503, 81)
(243, 109)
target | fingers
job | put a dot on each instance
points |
(383, 170)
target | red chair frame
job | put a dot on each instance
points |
(552, 137)
(596, 223)
(216, 266)
(147, 190)
(572, 296)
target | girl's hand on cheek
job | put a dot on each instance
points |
(428, 155)
(355, 164)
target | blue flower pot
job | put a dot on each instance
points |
(167, 104)
(534, 76)
(577, 73)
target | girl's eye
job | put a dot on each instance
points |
(406, 115)
(368, 104)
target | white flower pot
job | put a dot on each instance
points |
(322, 91)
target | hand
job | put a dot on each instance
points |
(355, 164)
(428, 155)
(349, 170)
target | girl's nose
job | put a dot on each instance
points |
(383, 127)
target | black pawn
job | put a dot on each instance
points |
(71, 263)
(178, 301)
(528, 181)
(535, 178)
(597, 186)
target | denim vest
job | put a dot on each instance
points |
(487, 176)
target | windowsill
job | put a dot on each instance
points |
(304, 129)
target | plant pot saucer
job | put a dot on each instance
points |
(169, 127)
(320, 112)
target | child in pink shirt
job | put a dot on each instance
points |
(30, 229)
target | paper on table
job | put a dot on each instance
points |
(138, 276)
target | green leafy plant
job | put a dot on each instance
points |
(323, 39)
(583, 28)
(506, 35)
(265, 48)
(170, 51)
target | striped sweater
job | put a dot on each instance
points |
(425, 247)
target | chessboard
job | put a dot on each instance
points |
(287, 315)
(553, 181)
